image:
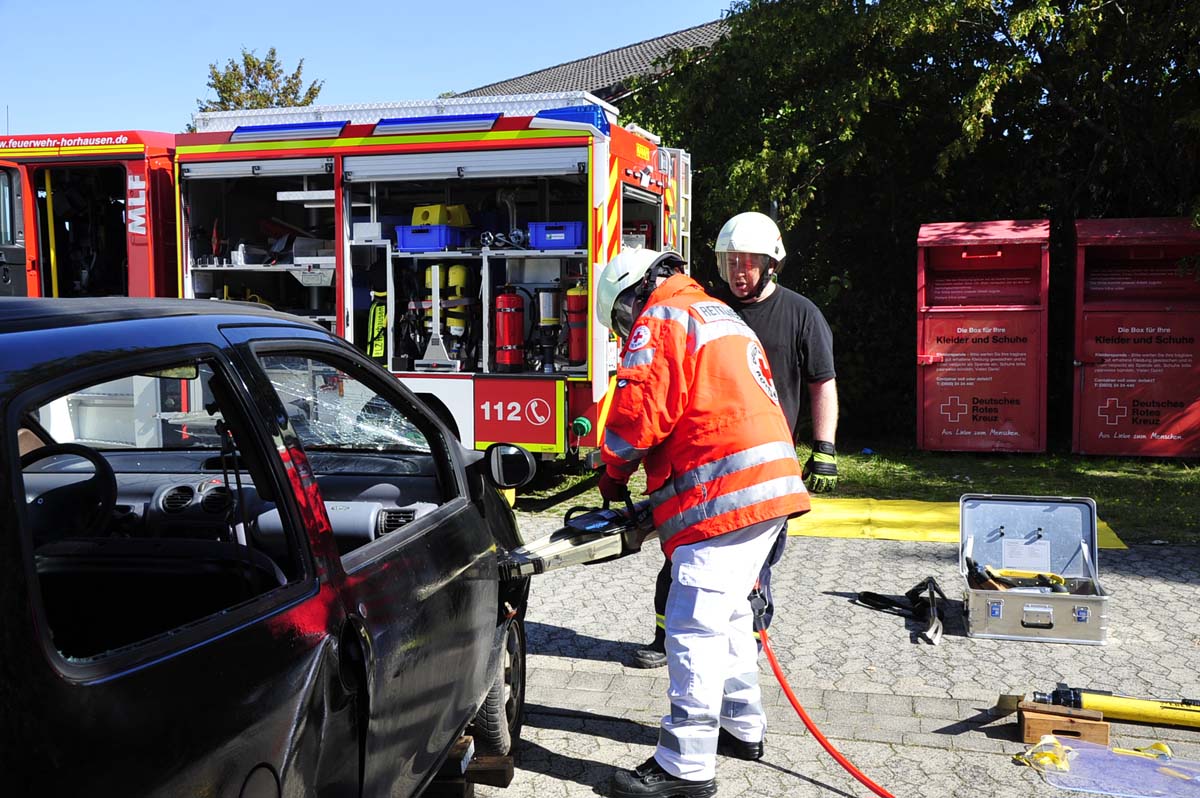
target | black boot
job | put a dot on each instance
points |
(653, 655)
(650, 779)
(728, 745)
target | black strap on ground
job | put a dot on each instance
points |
(923, 603)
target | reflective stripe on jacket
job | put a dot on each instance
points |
(696, 403)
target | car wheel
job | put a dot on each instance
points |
(497, 725)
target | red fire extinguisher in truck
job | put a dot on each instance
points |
(577, 310)
(510, 330)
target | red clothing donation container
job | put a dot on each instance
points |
(982, 292)
(1137, 323)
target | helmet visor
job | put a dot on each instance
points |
(752, 264)
(623, 312)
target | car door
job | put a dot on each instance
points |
(180, 654)
(12, 232)
(417, 567)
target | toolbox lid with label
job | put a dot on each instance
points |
(1041, 534)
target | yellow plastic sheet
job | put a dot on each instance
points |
(896, 519)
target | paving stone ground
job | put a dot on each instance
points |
(918, 719)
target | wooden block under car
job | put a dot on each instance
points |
(1036, 720)
(464, 768)
(494, 771)
(450, 781)
(450, 788)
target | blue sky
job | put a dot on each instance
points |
(84, 65)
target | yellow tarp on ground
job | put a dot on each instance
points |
(896, 519)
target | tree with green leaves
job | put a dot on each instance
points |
(258, 83)
(855, 121)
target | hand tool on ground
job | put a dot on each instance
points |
(923, 604)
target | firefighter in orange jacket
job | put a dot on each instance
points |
(696, 406)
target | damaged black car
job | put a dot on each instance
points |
(239, 558)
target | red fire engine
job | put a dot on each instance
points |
(458, 241)
(88, 214)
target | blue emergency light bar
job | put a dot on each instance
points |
(443, 123)
(582, 114)
(292, 132)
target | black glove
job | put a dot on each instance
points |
(820, 472)
(613, 489)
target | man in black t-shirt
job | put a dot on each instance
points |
(799, 347)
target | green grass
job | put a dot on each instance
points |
(1143, 500)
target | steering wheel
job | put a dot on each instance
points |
(79, 509)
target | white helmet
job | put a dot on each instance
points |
(752, 233)
(618, 297)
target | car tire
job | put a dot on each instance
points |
(497, 726)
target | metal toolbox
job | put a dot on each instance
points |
(1041, 580)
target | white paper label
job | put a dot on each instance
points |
(1017, 555)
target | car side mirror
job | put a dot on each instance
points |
(508, 465)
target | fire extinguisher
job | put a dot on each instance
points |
(577, 310)
(510, 330)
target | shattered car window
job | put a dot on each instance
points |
(331, 410)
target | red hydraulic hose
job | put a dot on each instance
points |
(812, 727)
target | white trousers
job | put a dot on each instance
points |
(712, 657)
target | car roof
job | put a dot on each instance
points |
(22, 313)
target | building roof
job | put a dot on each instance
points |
(607, 74)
